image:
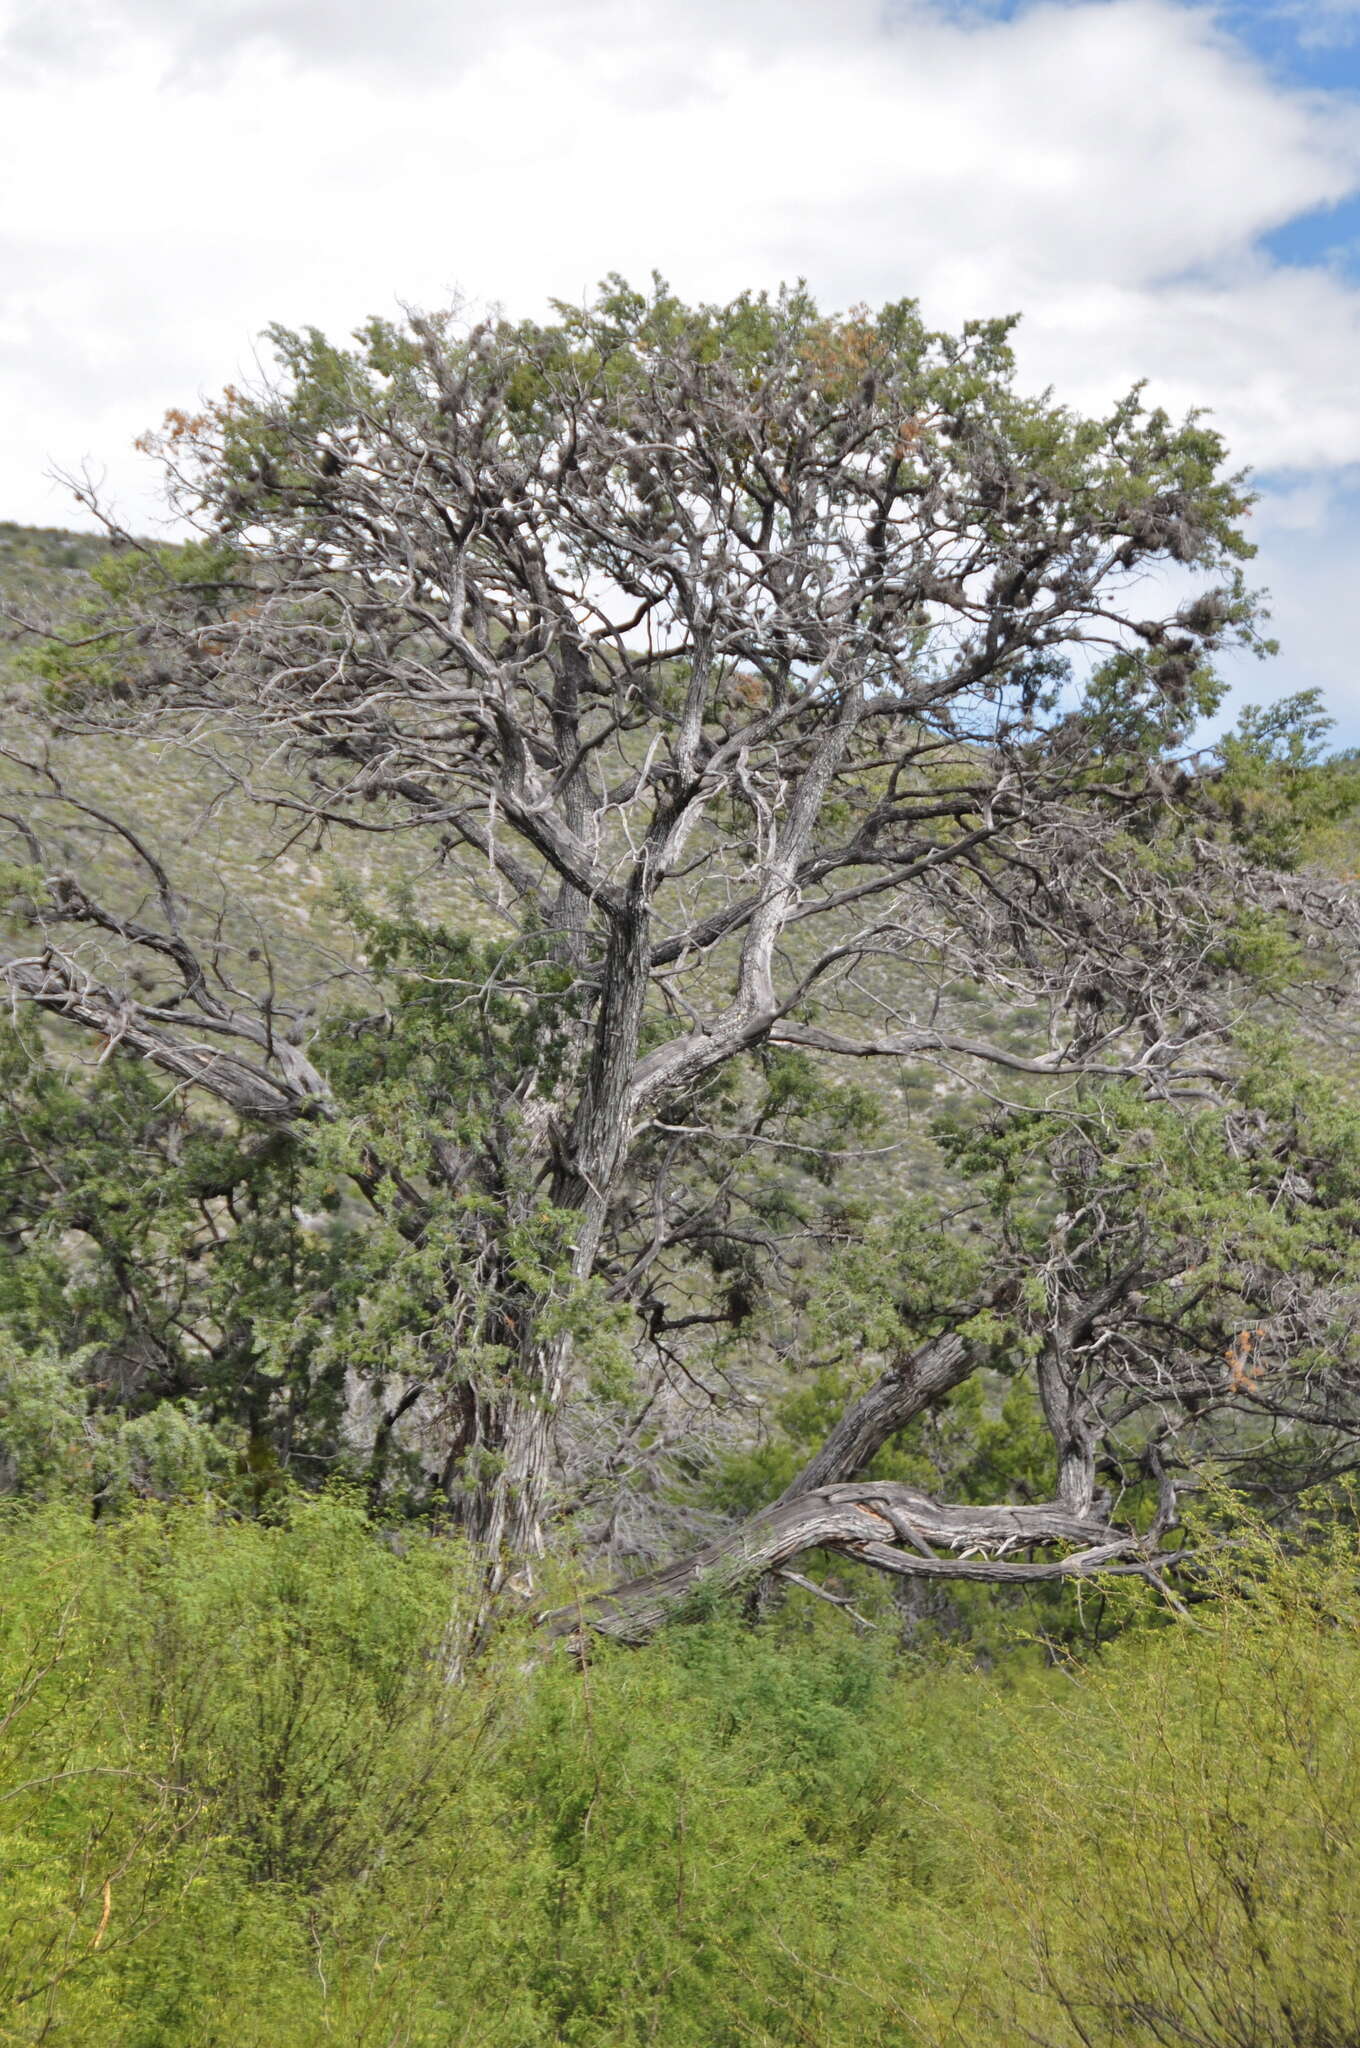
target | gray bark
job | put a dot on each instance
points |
(291, 1090)
(895, 1399)
(890, 1527)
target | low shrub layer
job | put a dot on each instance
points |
(239, 1805)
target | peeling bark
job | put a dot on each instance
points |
(890, 1527)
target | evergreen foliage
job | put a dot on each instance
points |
(822, 1140)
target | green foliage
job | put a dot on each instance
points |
(240, 1803)
(1171, 1852)
(471, 1027)
(206, 1723)
(157, 1277)
(53, 1444)
(1281, 797)
(1273, 1182)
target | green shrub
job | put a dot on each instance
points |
(1170, 1853)
(240, 1807)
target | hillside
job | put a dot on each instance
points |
(222, 850)
(278, 886)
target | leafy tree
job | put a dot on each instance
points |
(758, 686)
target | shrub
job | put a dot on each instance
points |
(240, 1807)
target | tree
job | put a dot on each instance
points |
(775, 680)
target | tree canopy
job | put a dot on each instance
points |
(751, 696)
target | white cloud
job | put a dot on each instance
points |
(195, 39)
(1308, 536)
(192, 169)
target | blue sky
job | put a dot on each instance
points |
(1317, 48)
(1166, 189)
(1307, 44)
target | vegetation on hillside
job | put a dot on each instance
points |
(637, 1016)
(239, 1804)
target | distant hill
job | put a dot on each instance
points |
(42, 568)
(53, 548)
(173, 797)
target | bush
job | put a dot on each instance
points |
(241, 1808)
(1171, 1853)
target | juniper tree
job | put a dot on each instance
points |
(769, 681)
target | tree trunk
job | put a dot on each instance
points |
(909, 1385)
(507, 1501)
(888, 1526)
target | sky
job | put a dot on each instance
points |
(1166, 189)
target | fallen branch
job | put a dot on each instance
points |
(888, 1526)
